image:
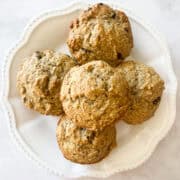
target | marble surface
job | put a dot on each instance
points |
(165, 16)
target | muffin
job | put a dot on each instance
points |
(100, 33)
(39, 81)
(84, 146)
(146, 88)
(94, 95)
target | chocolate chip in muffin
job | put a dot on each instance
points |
(113, 15)
(100, 4)
(38, 54)
(156, 101)
(119, 56)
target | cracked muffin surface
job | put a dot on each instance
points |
(39, 80)
(94, 95)
(100, 33)
(84, 146)
(146, 88)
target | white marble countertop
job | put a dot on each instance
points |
(165, 15)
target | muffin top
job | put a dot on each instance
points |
(94, 95)
(84, 146)
(100, 33)
(39, 80)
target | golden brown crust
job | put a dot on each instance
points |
(94, 95)
(39, 80)
(146, 89)
(83, 146)
(100, 33)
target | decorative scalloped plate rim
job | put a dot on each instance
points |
(17, 139)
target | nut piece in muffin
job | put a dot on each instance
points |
(100, 33)
(84, 146)
(39, 80)
(146, 88)
(94, 95)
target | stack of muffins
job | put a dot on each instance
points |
(94, 88)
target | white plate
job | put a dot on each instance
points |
(34, 134)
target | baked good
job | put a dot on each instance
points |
(100, 33)
(94, 95)
(39, 80)
(84, 146)
(146, 87)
